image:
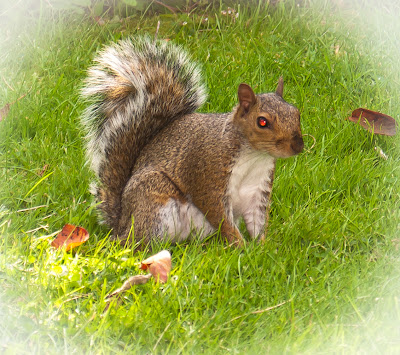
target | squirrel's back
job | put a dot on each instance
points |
(136, 88)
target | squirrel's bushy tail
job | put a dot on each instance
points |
(136, 88)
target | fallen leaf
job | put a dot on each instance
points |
(70, 237)
(159, 265)
(4, 112)
(374, 122)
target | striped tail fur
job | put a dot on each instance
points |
(136, 87)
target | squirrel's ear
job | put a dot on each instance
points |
(246, 97)
(279, 88)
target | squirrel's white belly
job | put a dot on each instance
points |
(180, 220)
(249, 189)
(248, 194)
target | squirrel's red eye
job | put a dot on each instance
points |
(263, 122)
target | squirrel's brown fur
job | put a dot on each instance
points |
(167, 170)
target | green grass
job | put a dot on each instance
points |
(327, 278)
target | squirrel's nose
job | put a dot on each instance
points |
(297, 144)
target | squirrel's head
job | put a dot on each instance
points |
(268, 122)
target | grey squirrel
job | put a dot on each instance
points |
(165, 171)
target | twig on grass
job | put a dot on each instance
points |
(132, 281)
(313, 145)
(10, 8)
(190, 8)
(9, 86)
(48, 3)
(170, 8)
(118, 299)
(46, 228)
(269, 308)
(31, 208)
(78, 297)
(259, 311)
(160, 337)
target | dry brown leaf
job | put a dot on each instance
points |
(374, 122)
(159, 265)
(70, 237)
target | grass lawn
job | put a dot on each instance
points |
(327, 279)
